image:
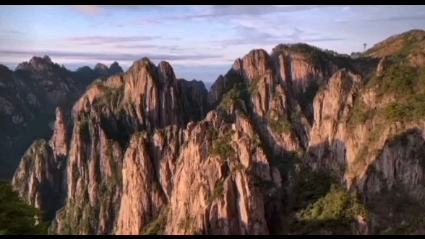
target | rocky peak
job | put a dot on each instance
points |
(4, 69)
(381, 66)
(115, 68)
(238, 65)
(37, 64)
(256, 63)
(193, 96)
(59, 140)
(218, 88)
(142, 63)
(166, 74)
(101, 68)
(293, 49)
(84, 69)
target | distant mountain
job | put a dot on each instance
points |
(28, 98)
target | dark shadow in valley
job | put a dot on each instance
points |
(312, 193)
(328, 157)
(311, 227)
(52, 191)
(393, 185)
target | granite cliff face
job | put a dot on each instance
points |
(28, 98)
(299, 141)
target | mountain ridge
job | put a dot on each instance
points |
(29, 96)
(292, 142)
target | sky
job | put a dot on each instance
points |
(200, 42)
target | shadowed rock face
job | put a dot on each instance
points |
(28, 98)
(299, 141)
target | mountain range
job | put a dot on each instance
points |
(295, 141)
(28, 98)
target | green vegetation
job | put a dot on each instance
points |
(360, 114)
(336, 205)
(218, 191)
(309, 187)
(112, 97)
(222, 147)
(313, 54)
(80, 219)
(187, 223)
(318, 56)
(238, 94)
(279, 123)
(16, 217)
(229, 97)
(406, 83)
(37, 151)
(211, 133)
(232, 81)
(238, 167)
(233, 78)
(116, 176)
(399, 46)
(98, 81)
(413, 110)
(335, 211)
(157, 226)
(253, 86)
(398, 79)
(318, 203)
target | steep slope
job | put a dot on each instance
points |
(408, 45)
(28, 97)
(299, 141)
(373, 138)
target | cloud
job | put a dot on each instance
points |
(382, 13)
(94, 10)
(13, 31)
(137, 46)
(99, 40)
(223, 11)
(400, 18)
(172, 48)
(220, 10)
(83, 56)
(250, 35)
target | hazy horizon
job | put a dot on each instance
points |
(200, 42)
